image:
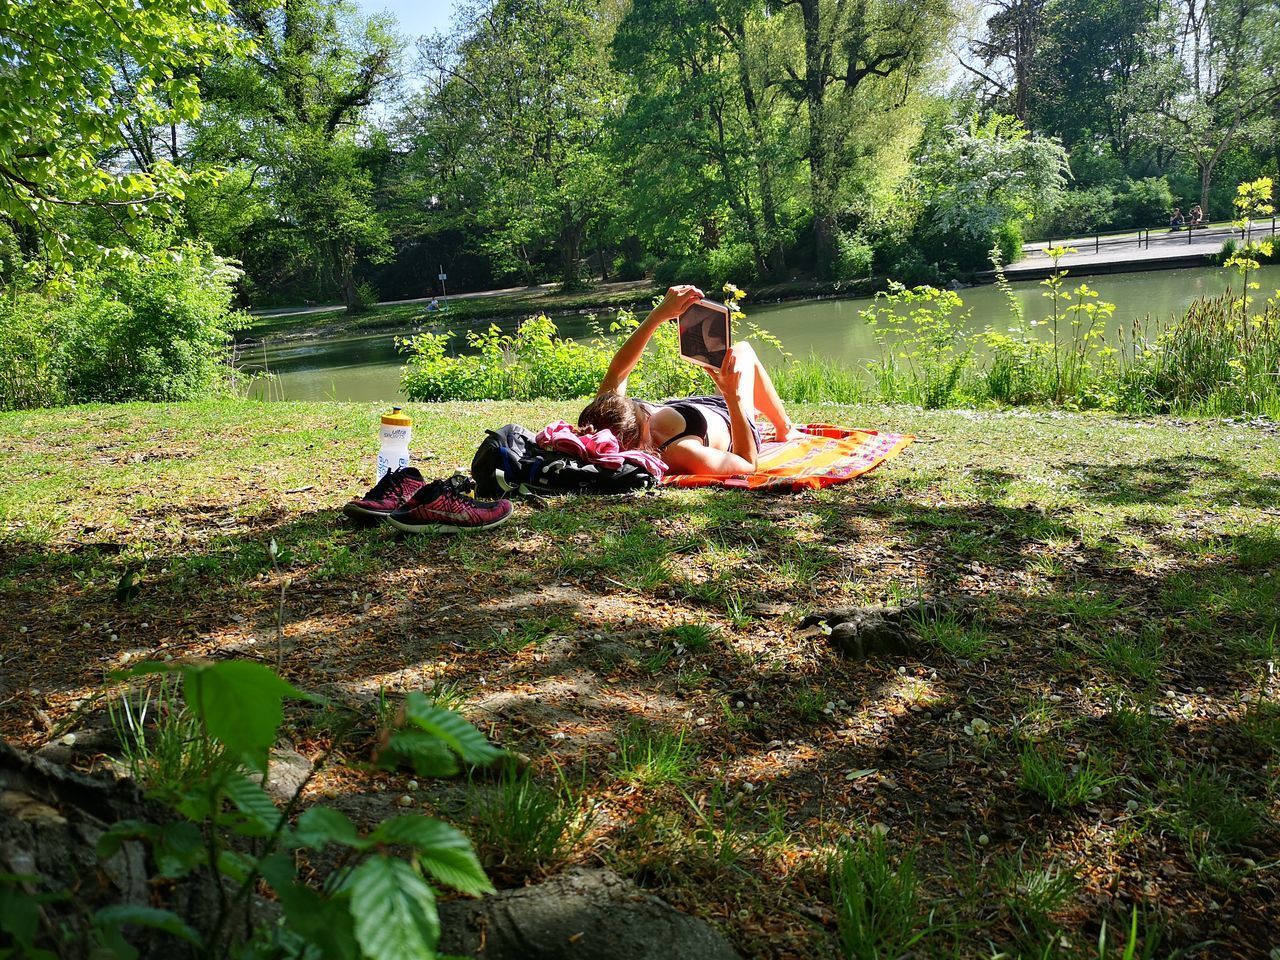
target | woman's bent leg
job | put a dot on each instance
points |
(767, 402)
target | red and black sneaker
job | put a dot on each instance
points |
(443, 507)
(394, 490)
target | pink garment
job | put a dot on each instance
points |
(600, 448)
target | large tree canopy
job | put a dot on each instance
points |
(292, 118)
(512, 124)
(74, 75)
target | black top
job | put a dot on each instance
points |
(695, 411)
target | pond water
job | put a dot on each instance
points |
(366, 367)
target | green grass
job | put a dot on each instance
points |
(694, 637)
(161, 742)
(521, 633)
(1033, 892)
(965, 641)
(1060, 782)
(879, 909)
(1207, 812)
(1136, 658)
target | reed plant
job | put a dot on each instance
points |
(1213, 360)
(815, 379)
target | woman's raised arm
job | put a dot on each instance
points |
(624, 361)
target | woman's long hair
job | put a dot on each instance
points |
(624, 416)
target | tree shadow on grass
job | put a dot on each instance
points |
(1166, 480)
(595, 655)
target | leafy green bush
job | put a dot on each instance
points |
(912, 270)
(534, 363)
(154, 327)
(1121, 205)
(1008, 239)
(853, 257)
(366, 297)
(1229, 250)
(531, 363)
(735, 261)
(31, 363)
(923, 350)
(686, 269)
(1077, 212)
(1146, 203)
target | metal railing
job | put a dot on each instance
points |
(1142, 237)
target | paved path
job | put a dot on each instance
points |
(617, 287)
(1135, 251)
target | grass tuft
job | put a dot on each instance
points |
(161, 742)
(528, 826)
(694, 637)
(650, 757)
(877, 900)
(1047, 773)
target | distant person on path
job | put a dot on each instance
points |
(1176, 221)
(433, 306)
(1196, 217)
(712, 436)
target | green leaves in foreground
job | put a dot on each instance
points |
(383, 909)
(432, 741)
(440, 849)
(390, 908)
(241, 704)
(394, 910)
(238, 703)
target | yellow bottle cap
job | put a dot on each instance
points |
(396, 419)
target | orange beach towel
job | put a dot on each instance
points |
(827, 455)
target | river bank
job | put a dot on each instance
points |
(357, 363)
(1096, 721)
(318, 323)
(1134, 252)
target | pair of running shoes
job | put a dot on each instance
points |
(413, 504)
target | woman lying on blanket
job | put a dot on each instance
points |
(706, 436)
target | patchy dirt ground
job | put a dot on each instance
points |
(1093, 737)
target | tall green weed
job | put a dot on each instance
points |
(924, 352)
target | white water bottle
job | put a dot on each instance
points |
(393, 440)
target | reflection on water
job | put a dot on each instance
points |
(367, 367)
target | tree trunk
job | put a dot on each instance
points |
(739, 194)
(346, 256)
(570, 243)
(1206, 177)
(772, 241)
(526, 265)
(50, 822)
(824, 224)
